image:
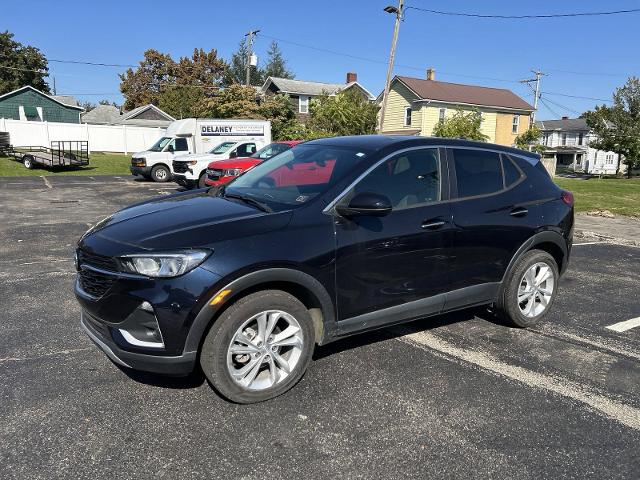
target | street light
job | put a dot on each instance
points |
(397, 11)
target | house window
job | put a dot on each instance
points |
(564, 138)
(407, 117)
(580, 138)
(609, 159)
(515, 125)
(442, 114)
(303, 104)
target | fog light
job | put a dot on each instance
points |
(141, 328)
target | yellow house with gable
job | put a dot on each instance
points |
(415, 106)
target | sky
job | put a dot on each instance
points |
(583, 56)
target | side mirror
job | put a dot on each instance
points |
(233, 154)
(170, 149)
(366, 204)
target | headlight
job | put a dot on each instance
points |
(232, 172)
(169, 264)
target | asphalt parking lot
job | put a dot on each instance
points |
(456, 396)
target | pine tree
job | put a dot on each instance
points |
(276, 64)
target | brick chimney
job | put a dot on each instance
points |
(352, 77)
(431, 73)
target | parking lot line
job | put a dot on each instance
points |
(626, 325)
(590, 396)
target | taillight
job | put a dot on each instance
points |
(567, 197)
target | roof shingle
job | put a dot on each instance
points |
(464, 94)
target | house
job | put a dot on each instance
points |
(30, 104)
(415, 106)
(301, 91)
(145, 116)
(567, 140)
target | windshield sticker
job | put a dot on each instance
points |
(360, 154)
(302, 198)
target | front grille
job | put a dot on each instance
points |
(98, 261)
(95, 283)
(180, 167)
(214, 174)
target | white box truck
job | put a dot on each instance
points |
(200, 139)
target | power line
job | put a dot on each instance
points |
(521, 17)
(563, 107)
(595, 74)
(553, 112)
(577, 96)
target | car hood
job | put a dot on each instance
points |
(242, 162)
(142, 154)
(183, 220)
(198, 157)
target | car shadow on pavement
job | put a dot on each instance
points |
(193, 380)
(422, 324)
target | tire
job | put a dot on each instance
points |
(532, 309)
(28, 162)
(160, 173)
(219, 364)
(201, 180)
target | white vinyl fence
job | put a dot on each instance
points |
(101, 138)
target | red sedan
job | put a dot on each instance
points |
(223, 171)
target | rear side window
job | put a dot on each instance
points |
(181, 145)
(478, 172)
(511, 172)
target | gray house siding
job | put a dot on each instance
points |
(51, 110)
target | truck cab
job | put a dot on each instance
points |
(155, 163)
(190, 170)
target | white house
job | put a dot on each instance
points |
(567, 140)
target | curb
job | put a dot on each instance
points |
(586, 234)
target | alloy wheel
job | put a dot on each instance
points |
(265, 350)
(536, 289)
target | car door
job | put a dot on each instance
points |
(402, 258)
(489, 209)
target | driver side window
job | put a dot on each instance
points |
(409, 179)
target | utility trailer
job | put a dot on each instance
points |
(62, 153)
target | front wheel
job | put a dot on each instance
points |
(160, 173)
(28, 162)
(201, 180)
(529, 289)
(259, 347)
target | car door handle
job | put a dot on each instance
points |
(519, 212)
(432, 225)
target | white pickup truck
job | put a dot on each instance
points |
(200, 140)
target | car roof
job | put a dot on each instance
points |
(291, 143)
(379, 142)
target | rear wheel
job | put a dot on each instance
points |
(259, 347)
(160, 173)
(28, 162)
(529, 289)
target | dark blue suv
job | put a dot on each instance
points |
(334, 237)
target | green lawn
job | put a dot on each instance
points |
(99, 164)
(618, 195)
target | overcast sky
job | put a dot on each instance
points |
(600, 51)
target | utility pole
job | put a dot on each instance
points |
(536, 91)
(250, 36)
(54, 86)
(399, 10)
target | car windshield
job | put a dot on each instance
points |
(270, 150)
(295, 176)
(160, 144)
(223, 147)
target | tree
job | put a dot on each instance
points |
(529, 140)
(461, 125)
(276, 65)
(24, 65)
(237, 72)
(234, 101)
(238, 101)
(180, 88)
(347, 113)
(618, 126)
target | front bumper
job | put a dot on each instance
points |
(144, 171)
(169, 365)
(184, 181)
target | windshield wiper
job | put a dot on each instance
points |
(249, 200)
